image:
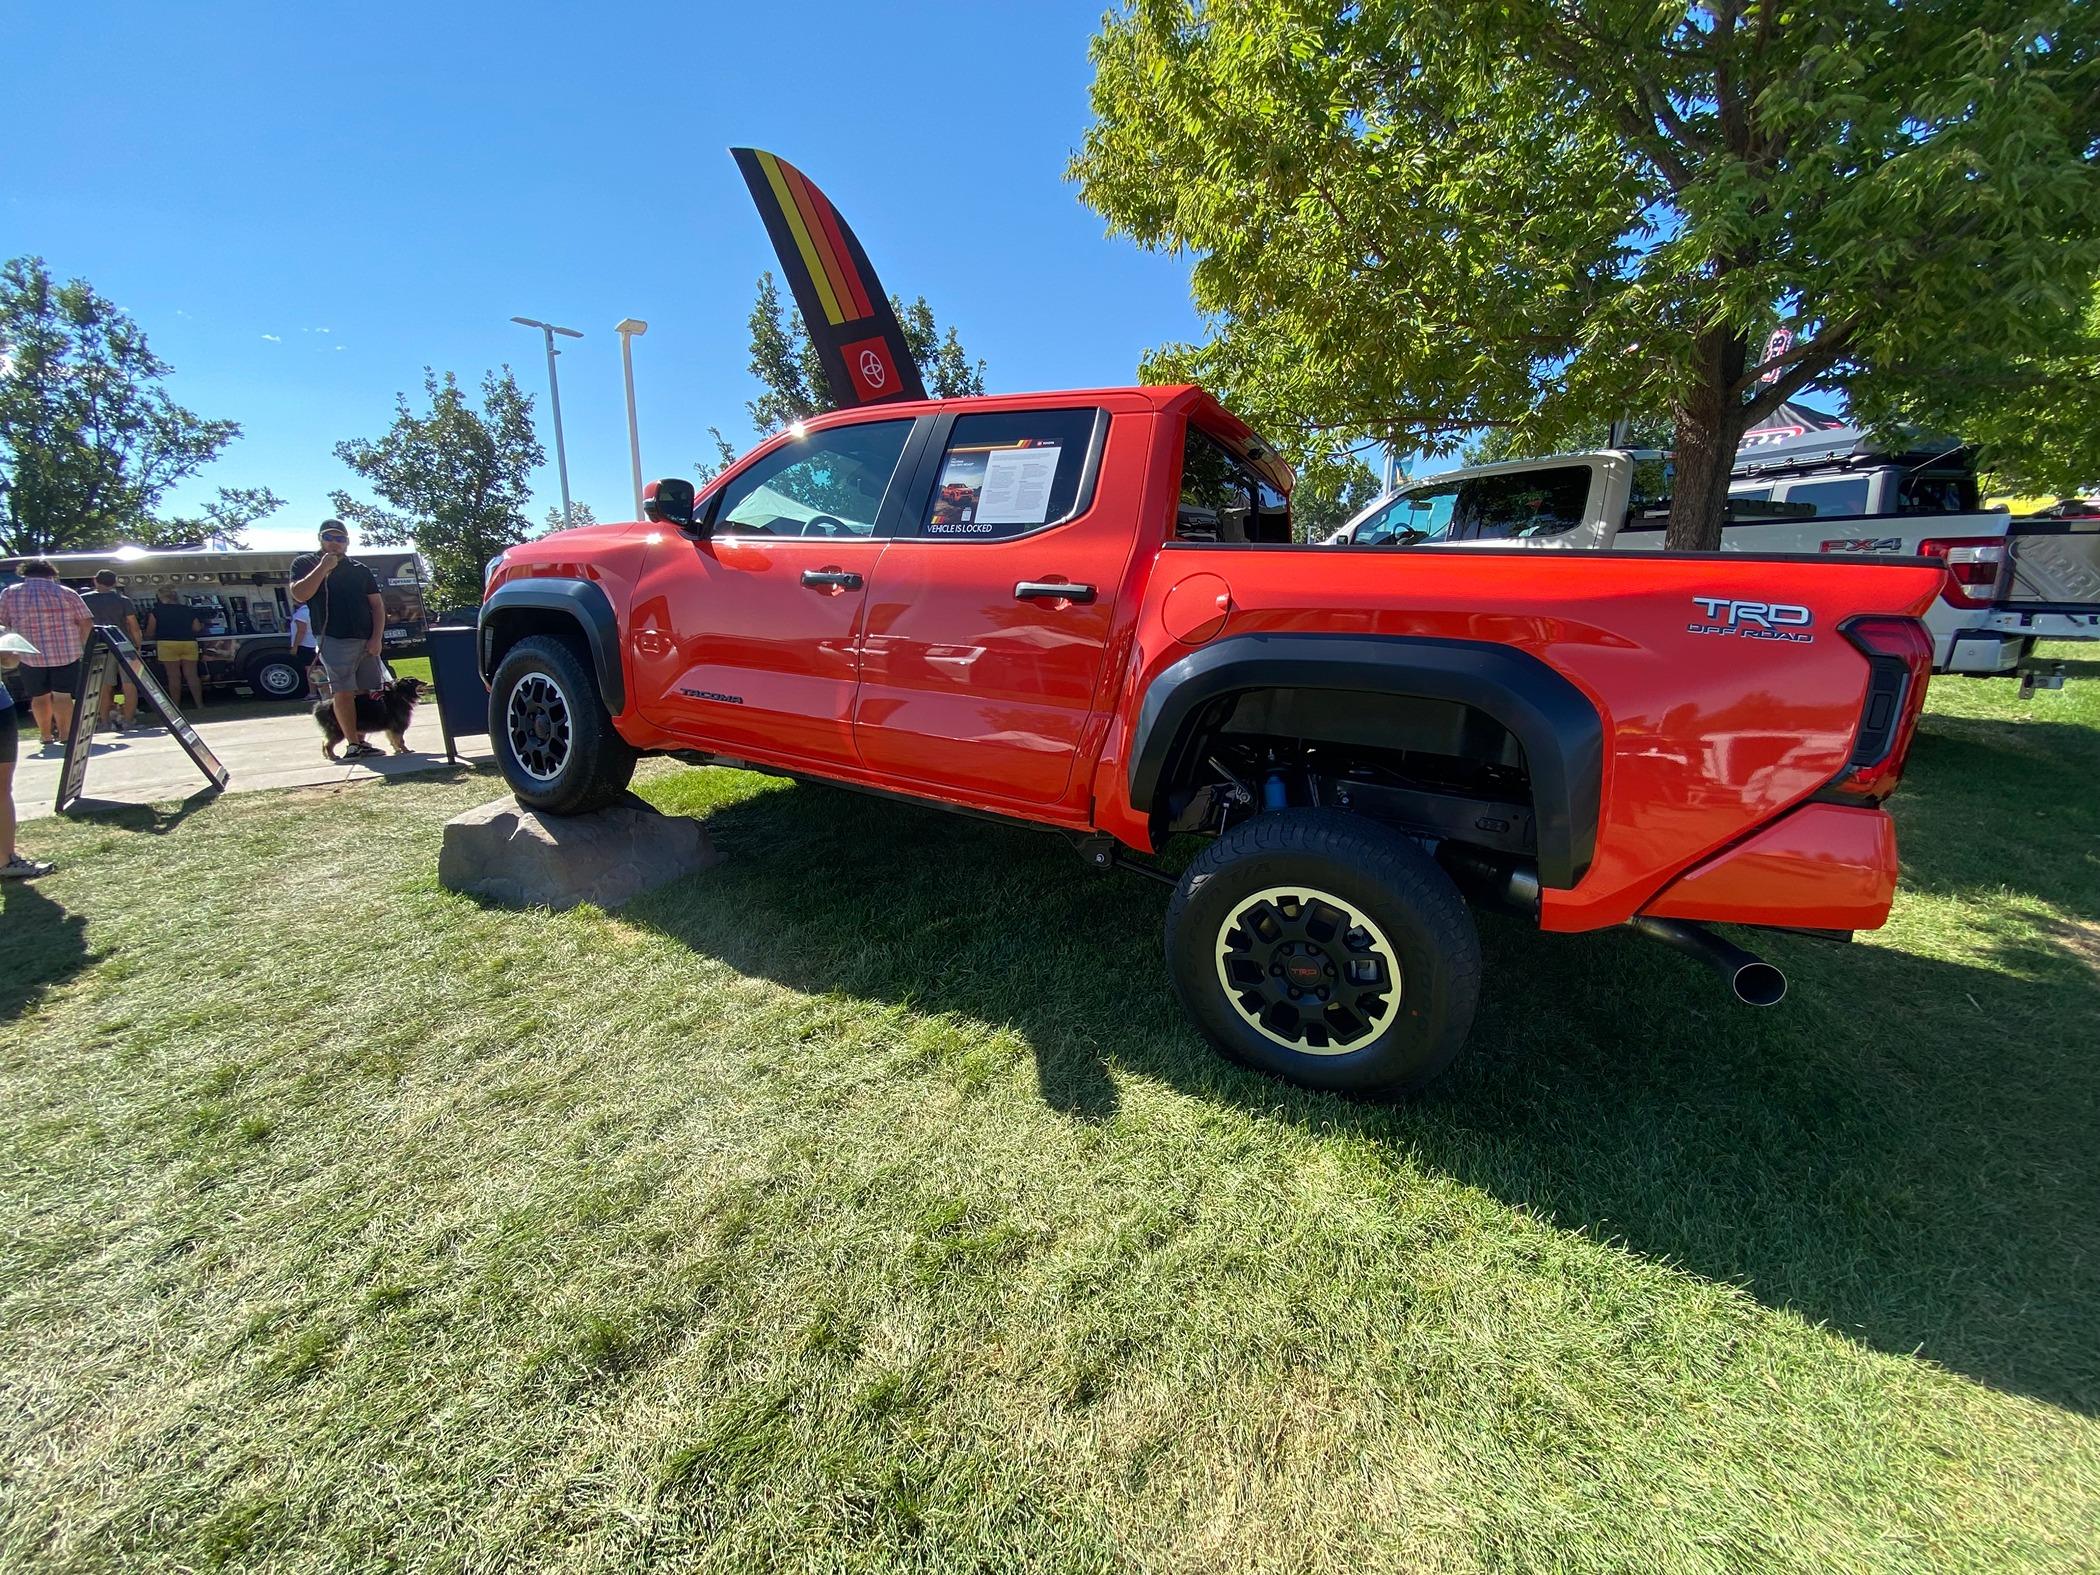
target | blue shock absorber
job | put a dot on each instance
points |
(1275, 792)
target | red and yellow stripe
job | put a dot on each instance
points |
(818, 237)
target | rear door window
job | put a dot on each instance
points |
(1008, 472)
(1826, 499)
(1522, 503)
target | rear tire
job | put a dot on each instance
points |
(280, 676)
(554, 738)
(1325, 949)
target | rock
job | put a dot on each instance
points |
(507, 854)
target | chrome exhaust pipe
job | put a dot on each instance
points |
(1754, 981)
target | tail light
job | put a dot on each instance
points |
(1975, 564)
(1899, 663)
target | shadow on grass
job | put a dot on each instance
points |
(41, 946)
(1901, 1152)
(149, 819)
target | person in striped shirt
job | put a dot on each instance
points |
(57, 622)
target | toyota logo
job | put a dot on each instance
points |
(872, 369)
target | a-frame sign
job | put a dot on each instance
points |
(109, 654)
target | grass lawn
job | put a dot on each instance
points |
(864, 1204)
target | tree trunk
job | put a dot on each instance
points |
(1709, 423)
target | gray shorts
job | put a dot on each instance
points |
(351, 667)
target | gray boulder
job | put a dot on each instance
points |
(507, 854)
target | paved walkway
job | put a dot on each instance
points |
(258, 752)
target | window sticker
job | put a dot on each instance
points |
(985, 487)
(1017, 484)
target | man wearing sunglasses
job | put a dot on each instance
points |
(349, 619)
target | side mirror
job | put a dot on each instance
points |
(670, 501)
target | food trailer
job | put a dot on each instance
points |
(246, 599)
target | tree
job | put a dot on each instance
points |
(223, 522)
(579, 514)
(791, 374)
(90, 440)
(1416, 220)
(1501, 443)
(457, 479)
(2037, 422)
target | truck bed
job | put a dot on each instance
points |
(1727, 690)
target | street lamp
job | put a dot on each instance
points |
(627, 328)
(561, 454)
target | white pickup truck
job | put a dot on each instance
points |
(2010, 581)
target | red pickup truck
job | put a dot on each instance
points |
(1084, 611)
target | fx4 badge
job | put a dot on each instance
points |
(1753, 620)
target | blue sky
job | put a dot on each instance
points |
(303, 205)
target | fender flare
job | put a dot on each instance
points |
(583, 601)
(1559, 728)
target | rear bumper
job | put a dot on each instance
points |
(1983, 651)
(2046, 623)
(1822, 867)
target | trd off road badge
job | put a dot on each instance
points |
(1753, 620)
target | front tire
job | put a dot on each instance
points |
(1327, 950)
(554, 738)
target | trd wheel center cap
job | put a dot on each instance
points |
(1303, 971)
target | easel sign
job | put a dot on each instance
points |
(109, 654)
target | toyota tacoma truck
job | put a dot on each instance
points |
(1083, 612)
(2009, 581)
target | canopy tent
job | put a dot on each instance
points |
(1791, 420)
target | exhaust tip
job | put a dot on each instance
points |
(1758, 983)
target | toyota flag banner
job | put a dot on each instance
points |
(842, 304)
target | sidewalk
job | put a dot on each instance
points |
(258, 753)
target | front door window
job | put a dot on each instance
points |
(830, 483)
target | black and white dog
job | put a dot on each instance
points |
(386, 712)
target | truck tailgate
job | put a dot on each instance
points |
(2055, 565)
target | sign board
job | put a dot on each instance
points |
(109, 654)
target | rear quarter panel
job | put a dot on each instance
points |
(1709, 735)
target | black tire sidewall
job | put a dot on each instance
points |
(1384, 878)
(600, 762)
(297, 692)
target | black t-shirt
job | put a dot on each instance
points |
(340, 608)
(111, 607)
(176, 620)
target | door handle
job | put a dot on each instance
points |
(831, 579)
(1052, 591)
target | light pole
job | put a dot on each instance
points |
(627, 328)
(561, 454)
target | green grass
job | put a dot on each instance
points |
(864, 1204)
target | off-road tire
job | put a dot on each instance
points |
(580, 764)
(1229, 970)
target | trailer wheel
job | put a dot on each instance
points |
(1325, 949)
(278, 676)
